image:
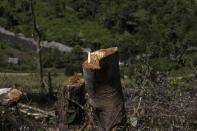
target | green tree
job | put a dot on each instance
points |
(74, 61)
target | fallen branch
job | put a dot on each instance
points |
(35, 115)
(76, 103)
(26, 109)
(138, 105)
(194, 68)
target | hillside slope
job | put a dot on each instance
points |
(163, 29)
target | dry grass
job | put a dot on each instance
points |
(28, 81)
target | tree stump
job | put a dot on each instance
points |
(102, 82)
(9, 96)
(71, 100)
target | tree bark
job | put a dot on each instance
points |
(102, 81)
(50, 91)
(72, 97)
(34, 111)
(62, 107)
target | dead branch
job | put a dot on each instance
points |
(39, 36)
(193, 67)
(39, 112)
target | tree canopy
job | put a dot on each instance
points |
(162, 28)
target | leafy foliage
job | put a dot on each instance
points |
(161, 28)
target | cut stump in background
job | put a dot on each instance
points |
(71, 98)
(102, 81)
(9, 96)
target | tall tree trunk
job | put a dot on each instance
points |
(38, 39)
(102, 81)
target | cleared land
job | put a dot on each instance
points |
(28, 81)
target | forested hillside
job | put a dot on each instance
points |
(162, 25)
(159, 29)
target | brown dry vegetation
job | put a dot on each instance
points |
(154, 105)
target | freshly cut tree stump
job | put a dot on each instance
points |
(102, 82)
(71, 99)
(9, 96)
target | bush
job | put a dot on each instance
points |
(162, 64)
(73, 61)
